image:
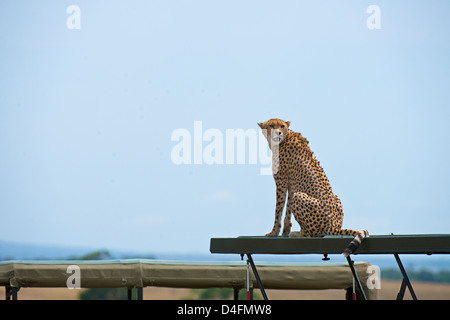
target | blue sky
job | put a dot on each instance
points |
(86, 116)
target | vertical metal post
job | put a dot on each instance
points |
(236, 293)
(130, 293)
(140, 293)
(255, 272)
(248, 280)
(350, 263)
(11, 293)
(14, 292)
(405, 276)
(353, 288)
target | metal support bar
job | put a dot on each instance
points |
(255, 272)
(405, 277)
(11, 293)
(355, 276)
(401, 293)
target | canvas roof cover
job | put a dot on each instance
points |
(180, 274)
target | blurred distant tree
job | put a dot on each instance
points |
(442, 276)
(101, 254)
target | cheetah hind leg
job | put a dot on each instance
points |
(302, 206)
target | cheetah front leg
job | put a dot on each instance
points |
(287, 225)
(281, 199)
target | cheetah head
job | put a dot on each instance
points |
(275, 130)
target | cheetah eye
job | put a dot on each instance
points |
(282, 125)
(272, 126)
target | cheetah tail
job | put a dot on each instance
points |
(354, 244)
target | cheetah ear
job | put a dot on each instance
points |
(288, 123)
(260, 124)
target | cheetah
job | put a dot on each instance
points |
(298, 174)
